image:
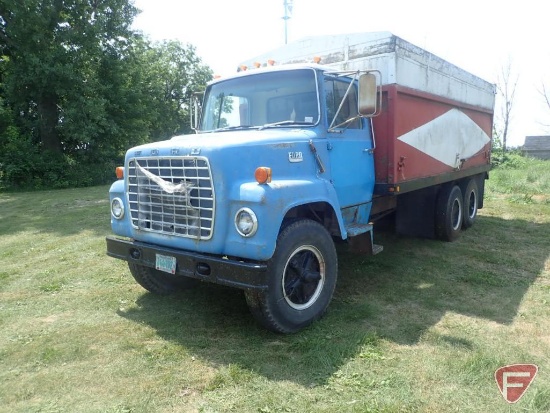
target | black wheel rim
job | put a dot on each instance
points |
(303, 277)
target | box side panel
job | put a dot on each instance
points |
(384, 136)
(429, 136)
(427, 73)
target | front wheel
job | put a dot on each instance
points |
(301, 279)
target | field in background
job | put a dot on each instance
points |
(421, 327)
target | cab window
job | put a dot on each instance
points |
(335, 91)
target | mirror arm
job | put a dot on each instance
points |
(346, 122)
(331, 126)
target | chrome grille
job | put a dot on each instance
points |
(173, 196)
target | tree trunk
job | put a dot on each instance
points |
(505, 136)
(48, 118)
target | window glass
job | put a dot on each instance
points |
(335, 91)
(299, 107)
(226, 111)
(257, 100)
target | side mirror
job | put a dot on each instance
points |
(195, 109)
(369, 100)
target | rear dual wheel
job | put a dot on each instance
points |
(471, 202)
(449, 213)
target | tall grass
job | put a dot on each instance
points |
(421, 327)
(525, 180)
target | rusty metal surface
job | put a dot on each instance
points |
(420, 135)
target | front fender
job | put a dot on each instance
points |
(271, 202)
(120, 226)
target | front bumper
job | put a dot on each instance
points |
(233, 273)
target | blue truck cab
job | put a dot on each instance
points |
(281, 162)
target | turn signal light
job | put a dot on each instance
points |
(120, 172)
(263, 175)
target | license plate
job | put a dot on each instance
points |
(166, 263)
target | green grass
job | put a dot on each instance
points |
(420, 327)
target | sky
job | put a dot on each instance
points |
(480, 36)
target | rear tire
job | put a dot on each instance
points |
(159, 282)
(301, 279)
(449, 213)
(471, 203)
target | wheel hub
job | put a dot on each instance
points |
(303, 277)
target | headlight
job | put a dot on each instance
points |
(246, 222)
(117, 208)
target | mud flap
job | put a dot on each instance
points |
(415, 213)
(363, 244)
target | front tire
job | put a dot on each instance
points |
(159, 282)
(301, 279)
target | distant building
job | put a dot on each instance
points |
(537, 147)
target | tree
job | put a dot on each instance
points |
(506, 88)
(545, 93)
(80, 87)
(174, 72)
(147, 92)
(54, 49)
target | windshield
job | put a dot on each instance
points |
(282, 98)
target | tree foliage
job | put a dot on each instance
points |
(78, 87)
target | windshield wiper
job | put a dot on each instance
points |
(240, 127)
(284, 122)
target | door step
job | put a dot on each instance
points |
(377, 249)
(354, 229)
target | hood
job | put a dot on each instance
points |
(196, 144)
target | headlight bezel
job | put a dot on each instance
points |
(240, 216)
(120, 207)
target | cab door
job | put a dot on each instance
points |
(350, 144)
